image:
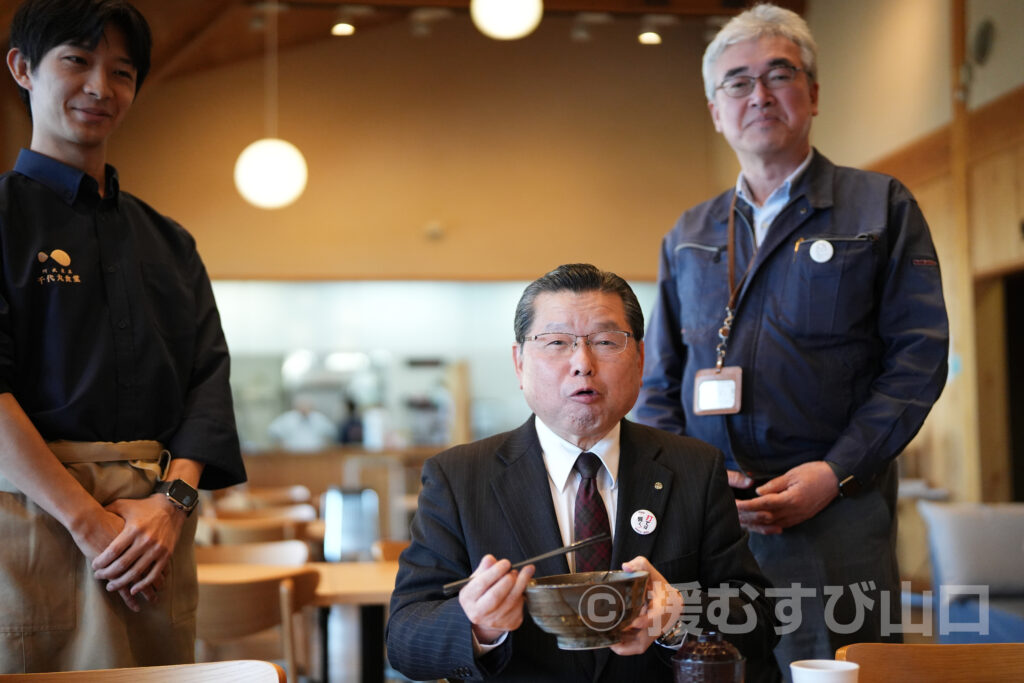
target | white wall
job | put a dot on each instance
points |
(1004, 70)
(884, 74)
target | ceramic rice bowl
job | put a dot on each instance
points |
(588, 610)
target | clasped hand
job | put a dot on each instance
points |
(142, 535)
(788, 499)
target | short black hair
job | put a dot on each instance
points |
(41, 25)
(579, 278)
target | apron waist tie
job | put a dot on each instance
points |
(69, 452)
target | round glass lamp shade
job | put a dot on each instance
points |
(506, 19)
(270, 173)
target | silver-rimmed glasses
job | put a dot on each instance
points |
(781, 76)
(606, 343)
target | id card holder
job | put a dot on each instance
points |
(718, 392)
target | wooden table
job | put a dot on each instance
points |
(365, 584)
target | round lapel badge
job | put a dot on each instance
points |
(822, 251)
(643, 522)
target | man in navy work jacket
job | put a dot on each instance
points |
(831, 353)
(579, 356)
(114, 396)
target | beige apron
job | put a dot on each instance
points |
(54, 616)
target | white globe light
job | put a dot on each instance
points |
(506, 19)
(270, 173)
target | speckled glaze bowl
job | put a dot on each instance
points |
(589, 610)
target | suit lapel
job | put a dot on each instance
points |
(644, 484)
(523, 495)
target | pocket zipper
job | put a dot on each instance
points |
(863, 237)
(717, 251)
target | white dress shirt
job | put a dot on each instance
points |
(564, 481)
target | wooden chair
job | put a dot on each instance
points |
(953, 663)
(302, 512)
(240, 671)
(284, 553)
(242, 605)
(249, 497)
(254, 530)
(386, 550)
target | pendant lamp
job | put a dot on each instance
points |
(271, 173)
(506, 19)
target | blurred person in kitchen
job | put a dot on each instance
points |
(303, 428)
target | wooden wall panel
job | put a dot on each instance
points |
(996, 241)
(993, 392)
(937, 453)
(964, 445)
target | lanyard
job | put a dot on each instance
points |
(734, 287)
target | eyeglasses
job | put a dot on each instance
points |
(777, 77)
(608, 343)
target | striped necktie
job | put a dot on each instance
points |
(591, 517)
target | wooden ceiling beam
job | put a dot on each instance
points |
(694, 8)
(189, 39)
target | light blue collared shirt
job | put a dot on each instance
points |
(776, 202)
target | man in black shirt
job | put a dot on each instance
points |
(114, 396)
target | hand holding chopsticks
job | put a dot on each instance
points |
(454, 586)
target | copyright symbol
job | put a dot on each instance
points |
(601, 608)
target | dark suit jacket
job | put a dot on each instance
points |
(492, 496)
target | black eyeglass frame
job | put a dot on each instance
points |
(750, 81)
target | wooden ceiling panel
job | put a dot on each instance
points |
(194, 35)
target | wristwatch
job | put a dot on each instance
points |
(674, 636)
(849, 487)
(180, 493)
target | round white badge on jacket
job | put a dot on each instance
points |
(822, 251)
(643, 522)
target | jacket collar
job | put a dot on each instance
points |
(815, 183)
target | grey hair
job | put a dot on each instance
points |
(579, 278)
(760, 21)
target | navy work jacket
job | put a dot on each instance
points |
(842, 358)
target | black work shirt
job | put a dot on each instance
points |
(108, 326)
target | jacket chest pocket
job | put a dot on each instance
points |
(830, 285)
(701, 274)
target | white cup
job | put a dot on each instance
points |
(823, 671)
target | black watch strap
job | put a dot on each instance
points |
(850, 486)
(181, 494)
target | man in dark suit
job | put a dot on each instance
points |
(579, 359)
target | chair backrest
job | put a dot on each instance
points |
(246, 496)
(303, 512)
(240, 607)
(920, 663)
(255, 530)
(386, 550)
(351, 523)
(286, 553)
(239, 671)
(973, 546)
